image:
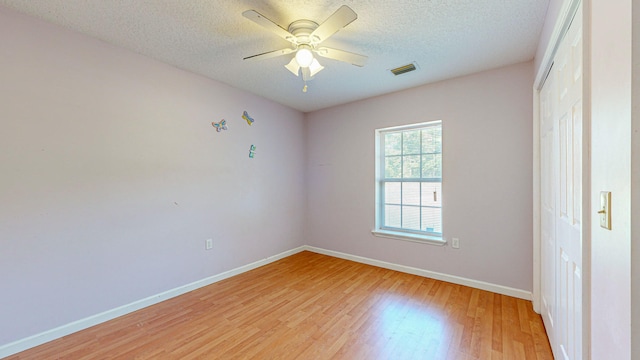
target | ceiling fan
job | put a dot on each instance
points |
(305, 37)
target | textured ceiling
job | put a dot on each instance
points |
(446, 38)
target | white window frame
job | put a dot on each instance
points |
(395, 233)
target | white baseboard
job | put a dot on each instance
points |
(64, 330)
(499, 289)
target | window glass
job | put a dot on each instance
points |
(410, 181)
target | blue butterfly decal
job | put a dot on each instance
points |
(252, 151)
(246, 116)
(222, 125)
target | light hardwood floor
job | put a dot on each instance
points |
(312, 306)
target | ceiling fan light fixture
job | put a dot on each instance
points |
(304, 56)
(293, 67)
(315, 67)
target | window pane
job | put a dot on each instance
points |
(392, 193)
(392, 216)
(432, 166)
(411, 166)
(411, 217)
(428, 199)
(432, 140)
(411, 142)
(411, 193)
(432, 220)
(393, 167)
(411, 159)
(393, 144)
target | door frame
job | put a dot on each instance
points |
(567, 11)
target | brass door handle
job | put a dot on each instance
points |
(603, 211)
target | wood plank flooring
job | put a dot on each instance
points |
(311, 306)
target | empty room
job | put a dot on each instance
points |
(319, 179)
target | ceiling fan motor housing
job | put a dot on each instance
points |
(302, 30)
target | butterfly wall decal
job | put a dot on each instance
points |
(252, 151)
(221, 125)
(248, 118)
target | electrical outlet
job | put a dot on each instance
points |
(455, 243)
(208, 244)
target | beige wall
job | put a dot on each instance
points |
(609, 73)
(487, 175)
(112, 177)
(635, 184)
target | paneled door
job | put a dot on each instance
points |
(561, 196)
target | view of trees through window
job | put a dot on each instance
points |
(412, 179)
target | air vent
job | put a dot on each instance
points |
(403, 69)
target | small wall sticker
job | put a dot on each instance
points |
(248, 118)
(221, 125)
(252, 151)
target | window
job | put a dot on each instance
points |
(409, 182)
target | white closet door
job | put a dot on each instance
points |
(561, 196)
(548, 205)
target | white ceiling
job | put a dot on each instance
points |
(446, 38)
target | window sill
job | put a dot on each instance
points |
(424, 239)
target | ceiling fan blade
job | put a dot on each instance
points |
(341, 18)
(270, 54)
(261, 20)
(341, 55)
